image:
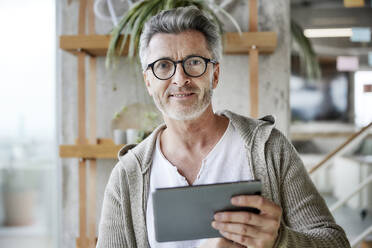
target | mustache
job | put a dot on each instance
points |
(184, 89)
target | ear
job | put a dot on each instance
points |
(147, 82)
(216, 75)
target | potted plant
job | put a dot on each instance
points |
(134, 19)
(136, 121)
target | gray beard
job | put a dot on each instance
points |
(193, 112)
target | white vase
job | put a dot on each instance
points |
(132, 135)
(120, 137)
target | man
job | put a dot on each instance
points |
(179, 52)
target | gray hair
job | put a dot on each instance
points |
(177, 20)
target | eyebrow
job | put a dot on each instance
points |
(190, 55)
(164, 58)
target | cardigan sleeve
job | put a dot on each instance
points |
(306, 220)
(111, 232)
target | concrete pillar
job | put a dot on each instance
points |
(274, 69)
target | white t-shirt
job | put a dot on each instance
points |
(226, 162)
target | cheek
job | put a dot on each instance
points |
(208, 78)
(157, 88)
(151, 84)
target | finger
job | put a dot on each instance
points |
(248, 218)
(224, 243)
(245, 230)
(240, 239)
(259, 202)
(211, 242)
(220, 243)
(233, 244)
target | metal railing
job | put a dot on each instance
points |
(361, 237)
(359, 188)
(342, 149)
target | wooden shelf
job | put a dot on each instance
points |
(96, 45)
(265, 42)
(104, 149)
(89, 151)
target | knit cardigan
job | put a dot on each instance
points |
(306, 220)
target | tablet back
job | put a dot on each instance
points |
(186, 213)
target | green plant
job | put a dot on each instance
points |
(119, 113)
(133, 22)
(308, 59)
(151, 120)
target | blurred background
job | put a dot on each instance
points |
(328, 109)
(28, 154)
(319, 83)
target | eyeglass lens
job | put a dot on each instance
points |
(193, 66)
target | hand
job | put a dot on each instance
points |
(249, 229)
(219, 243)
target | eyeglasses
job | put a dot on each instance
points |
(193, 66)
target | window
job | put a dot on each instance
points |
(27, 124)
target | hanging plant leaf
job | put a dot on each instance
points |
(134, 20)
(308, 59)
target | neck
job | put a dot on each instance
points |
(201, 132)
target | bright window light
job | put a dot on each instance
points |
(363, 99)
(328, 32)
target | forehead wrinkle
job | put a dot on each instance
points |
(177, 46)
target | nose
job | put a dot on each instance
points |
(180, 78)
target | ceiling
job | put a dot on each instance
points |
(333, 14)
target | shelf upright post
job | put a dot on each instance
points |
(254, 87)
(92, 202)
(82, 241)
(253, 61)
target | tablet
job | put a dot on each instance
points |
(186, 213)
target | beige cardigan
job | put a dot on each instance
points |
(306, 220)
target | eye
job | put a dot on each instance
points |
(163, 65)
(193, 62)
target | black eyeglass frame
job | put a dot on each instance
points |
(182, 62)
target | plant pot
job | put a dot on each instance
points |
(120, 137)
(18, 207)
(133, 136)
